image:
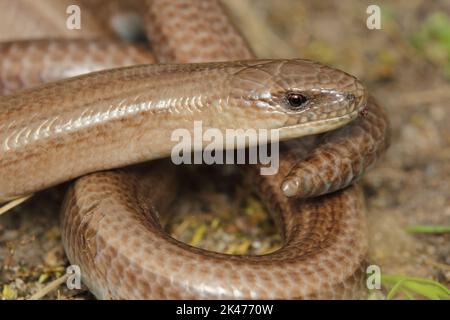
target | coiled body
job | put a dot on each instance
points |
(113, 232)
(110, 223)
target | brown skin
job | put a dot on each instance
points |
(343, 280)
(136, 109)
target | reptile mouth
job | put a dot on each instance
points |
(316, 127)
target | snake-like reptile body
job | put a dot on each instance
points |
(110, 225)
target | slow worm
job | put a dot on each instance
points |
(109, 119)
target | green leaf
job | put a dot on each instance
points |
(420, 228)
(411, 286)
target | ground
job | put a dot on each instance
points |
(406, 66)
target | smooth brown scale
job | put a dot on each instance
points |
(325, 237)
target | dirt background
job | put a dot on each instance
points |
(405, 65)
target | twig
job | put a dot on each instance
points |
(13, 203)
(438, 265)
(49, 288)
(416, 98)
(262, 35)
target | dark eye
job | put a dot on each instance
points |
(296, 100)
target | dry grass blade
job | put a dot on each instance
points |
(418, 98)
(49, 288)
(13, 203)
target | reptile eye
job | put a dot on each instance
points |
(296, 100)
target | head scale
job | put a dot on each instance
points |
(299, 97)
